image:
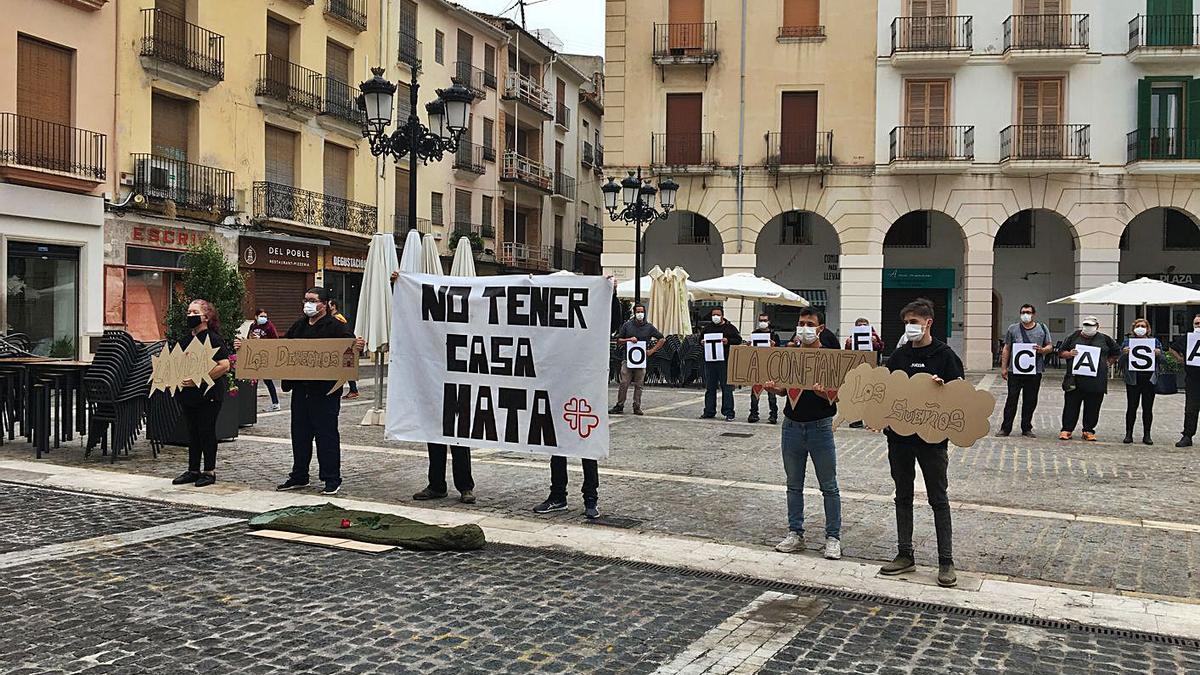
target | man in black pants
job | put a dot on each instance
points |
(1024, 386)
(461, 458)
(921, 354)
(1191, 409)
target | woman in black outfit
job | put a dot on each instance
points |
(1140, 385)
(200, 402)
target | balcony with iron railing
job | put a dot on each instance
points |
(793, 150)
(520, 169)
(289, 84)
(182, 51)
(409, 52)
(562, 259)
(564, 186)
(191, 187)
(936, 146)
(489, 153)
(589, 236)
(1174, 149)
(599, 166)
(524, 256)
(278, 202)
(526, 90)
(338, 103)
(353, 13)
(475, 79)
(1046, 38)
(70, 158)
(931, 41)
(685, 43)
(800, 33)
(469, 157)
(1170, 38)
(402, 224)
(1040, 144)
(466, 227)
(562, 116)
(685, 151)
(588, 158)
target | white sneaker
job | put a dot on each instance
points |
(273, 407)
(833, 548)
(791, 543)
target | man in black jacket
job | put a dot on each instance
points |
(921, 354)
(716, 372)
(1191, 406)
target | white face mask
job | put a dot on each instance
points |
(640, 316)
(807, 334)
(1140, 331)
(1196, 327)
(310, 309)
(914, 331)
(716, 318)
(262, 320)
(1026, 317)
(1088, 331)
(763, 324)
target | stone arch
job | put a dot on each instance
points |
(800, 250)
(1164, 243)
(684, 239)
(1032, 264)
(924, 255)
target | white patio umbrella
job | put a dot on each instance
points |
(431, 262)
(1094, 296)
(625, 289)
(373, 321)
(560, 273)
(745, 286)
(464, 262)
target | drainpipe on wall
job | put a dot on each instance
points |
(741, 169)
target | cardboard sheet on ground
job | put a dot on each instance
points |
(172, 366)
(330, 359)
(792, 368)
(956, 410)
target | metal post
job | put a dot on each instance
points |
(413, 140)
(637, 244)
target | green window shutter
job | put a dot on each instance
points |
(1191, 120)
(1143, 119)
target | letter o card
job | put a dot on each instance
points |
(1141, 354)
(635, 355)
(714, 349)
(1024, 358)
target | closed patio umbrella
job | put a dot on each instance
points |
(431, 262)
(373, 320)
(464, 262)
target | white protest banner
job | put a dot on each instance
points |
(1141, 354)
(1024, 358)
(635, 355)
(760, 339)
(860, 339)
(714, 349)
(1087, 361)
(1192, 357)
(510, 362)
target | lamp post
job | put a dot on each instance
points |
(448, 116)
(637, 195)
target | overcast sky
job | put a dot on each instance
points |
(578, 23)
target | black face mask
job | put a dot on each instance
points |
(194, 321)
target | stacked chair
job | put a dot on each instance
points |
(12, 383)
(691, 361)
(118, 387)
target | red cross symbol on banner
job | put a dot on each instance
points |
(579, 416)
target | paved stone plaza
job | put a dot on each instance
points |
(1097, 519)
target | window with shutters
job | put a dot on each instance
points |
(402, 193)
(44, 80)
(487, 215)
(801, 19)
(170, 119)
(280, 156)
(489, 66)
(1043, 7)
(926, 117)
(435, 208)
(927, 8)
(403, 103)
(337, 171)
(462, 212)
(1040, 117)
(439, 47)
(489, 140)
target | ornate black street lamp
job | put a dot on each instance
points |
(448, 117)
(638, 197)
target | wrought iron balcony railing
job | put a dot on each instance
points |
(564, 185)
(38, 144)
(1169, 30)
(685, 42)
(487, 231)
(801, 32)
(528, 256)
(402, 224)
(562, 115)
(954, 143)
(524, 170)
(489, 153)
(1046, 31)
(469, 157)
(275, 201)
(191, 186)
(288, 82)
(353, 13)
(339, 102)
(589, 156)
(790, 148)
(410, 50)
(1046, 141)
(691, 149)
(599, 158)
(170, 39)
(473, 78)
(931, 34)
(1162, 144)
(589, 235)
(562, 258)
(465, 227)
(518, 87)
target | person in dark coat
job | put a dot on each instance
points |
(200, 403)
(716, 372)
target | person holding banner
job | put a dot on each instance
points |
(718, 337)
(201, 403)
(1140, 360)
(635, 335)
(1089, 353)
(1186, 348)
(763, 336)
(1022, 361)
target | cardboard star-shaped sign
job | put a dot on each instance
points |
(174, 366)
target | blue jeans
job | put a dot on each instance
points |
(802, 440)
(715, 374)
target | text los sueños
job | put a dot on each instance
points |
(471, 411)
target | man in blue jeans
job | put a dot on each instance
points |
(808, 433)
(716, 372)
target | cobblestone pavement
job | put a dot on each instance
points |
(218, 601)
(1098, 515)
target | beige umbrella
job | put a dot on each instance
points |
(464, 262)
(431, 262)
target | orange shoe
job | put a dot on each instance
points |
(1089, 436)
(1064, 436)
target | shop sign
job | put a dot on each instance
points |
(1177, 278)
(166, 236)
(346, 261)
(266, 254)
(937, 277)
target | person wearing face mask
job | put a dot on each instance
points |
(1191, 408)
(716, 372)
(922, 354)
(876, 346)
(262, 328)
(201, 403)
(764, 328)
(636, 329)
(1086, 392)
(1140, 385)
(1024, 387)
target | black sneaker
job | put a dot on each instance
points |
(1028, 434)
(185, 478)
(427, 494)
(551, 505)
(708, 417)
(903, 563)
(590, 509)
(947, 578)
(1128, 439)
(1147, 440)
(291, 484)
(1185, 442)
(752, 418)
(729, 418)
(617, 410)
(857, 425)
(331, 489)
(1002, 433)
(773, 419)
(638, 412)
(205, 479)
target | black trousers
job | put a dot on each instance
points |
(558, 478)
(201, 421)
(1072, 400)
(933, 460)
(315, 418)
(461, 457)
(1191, 407)
(1134, 394)
(1025, 387)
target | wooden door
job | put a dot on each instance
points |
(930, 27)
(1040, 117)
(338, 96)
(279, 37)
(685, 118)
(466, 48)
(489, 66)
(1041, 24)
(462, 212)
(44, 104)
(169, 121)
(337, 171)
(798, 128)
(170, 30)
(800, 17)
(686, 18)
(926, 111)
(280, 156)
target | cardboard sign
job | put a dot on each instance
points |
(1087, 361)
(330, 359)
(760, 339)
(794, 368)
(936, 412)
(714, 349)
(171, 367)
(1192, 357)
(635, 355)
(860, 339)
(1141, 355)
(1024, 358)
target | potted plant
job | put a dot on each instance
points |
(1168, 378)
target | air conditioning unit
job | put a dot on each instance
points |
(160, 178)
